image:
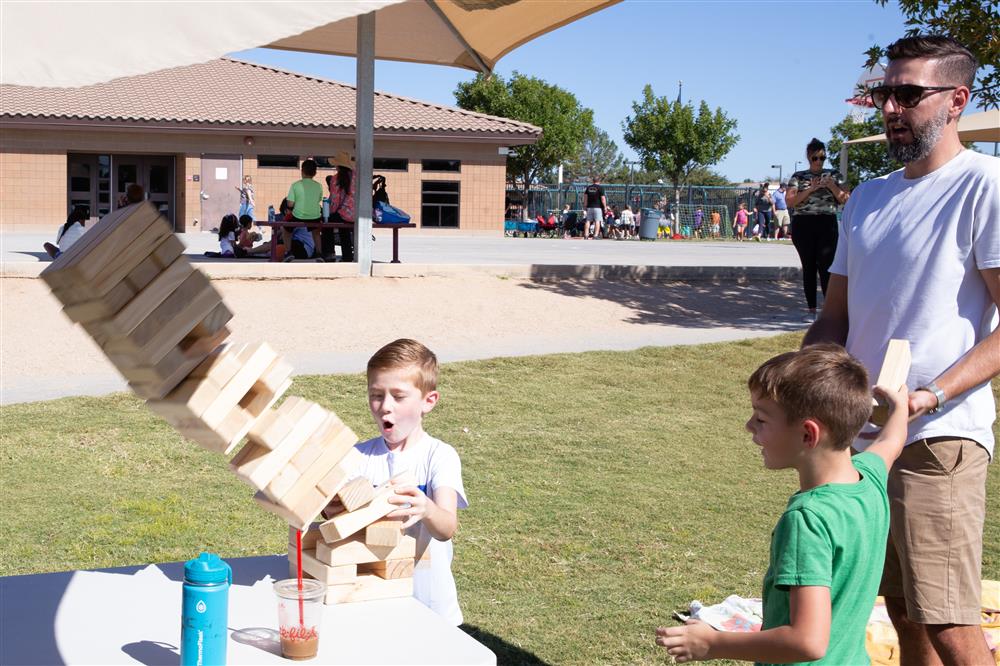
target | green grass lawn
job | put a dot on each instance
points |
(605, 489)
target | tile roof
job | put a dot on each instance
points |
(228, 92)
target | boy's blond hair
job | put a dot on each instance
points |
(823, 382)
(407, 354)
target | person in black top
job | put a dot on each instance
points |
(594, 204)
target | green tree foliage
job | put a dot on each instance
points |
(563, 120)
(865, 160)
(598, 157)
(706, 176)
(974, 23)
(670, 137)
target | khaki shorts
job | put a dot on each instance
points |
(781, 218)
(935, 550)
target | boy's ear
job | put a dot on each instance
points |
(811, 431)
(430, 400)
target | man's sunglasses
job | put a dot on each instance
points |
(907, 95)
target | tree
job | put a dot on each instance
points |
(563, 120)
(598, 157)
(974, 23)
(866, 160)
(669, 137)
(708, 177)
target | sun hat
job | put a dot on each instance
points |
(344, 159)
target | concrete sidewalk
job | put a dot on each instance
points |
(427, 253)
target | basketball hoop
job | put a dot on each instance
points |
(869, 79)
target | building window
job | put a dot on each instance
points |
(439, 203)
(280, 161)
(323, 162)
(391, 164)
(441, 165)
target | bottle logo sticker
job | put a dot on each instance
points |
(201, 607)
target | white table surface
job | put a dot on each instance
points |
(132, 615)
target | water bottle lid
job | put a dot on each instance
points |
(207, 568)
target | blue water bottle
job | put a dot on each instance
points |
(205, 611)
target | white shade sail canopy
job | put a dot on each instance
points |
(68, 44)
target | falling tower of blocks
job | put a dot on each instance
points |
(163, 326)
(358, 553)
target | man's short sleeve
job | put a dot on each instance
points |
(445, 471)
(803, 551)
(986, 229)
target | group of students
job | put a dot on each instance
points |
(615, 224)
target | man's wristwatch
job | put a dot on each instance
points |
(938, 393)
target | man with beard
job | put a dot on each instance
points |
(918, 258)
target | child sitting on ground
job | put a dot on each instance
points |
(228, 229)
(245, 243)
(828, 547)
(402, 389)
(70, 232)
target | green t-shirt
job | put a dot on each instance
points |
(834, 536)
(307, 196)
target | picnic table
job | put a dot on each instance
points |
(132, 615)
(278, 224)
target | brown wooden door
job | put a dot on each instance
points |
(221, 176)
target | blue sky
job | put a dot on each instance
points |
(781, 69)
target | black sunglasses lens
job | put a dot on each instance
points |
(907, 95)
(817, 158)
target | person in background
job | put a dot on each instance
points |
(740, 222)
(594, 204)
(716, 223)
(342, 187)
(814, 195)
(228, 229)
(245, 243)
(70, 232)
(303, 199)
(762, 207)
(246, 197)
(628, 222)
(781, 219)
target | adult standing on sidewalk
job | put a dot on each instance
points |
(781, 219)
(594, 204)
(814, 195)
(762, 206)
(919, 259)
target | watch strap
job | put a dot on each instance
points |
(938, 393)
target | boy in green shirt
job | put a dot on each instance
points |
(828, 547)
(304, 198)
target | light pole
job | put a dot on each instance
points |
(778, 167)
(797, 163)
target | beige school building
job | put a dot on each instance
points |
(189, 134)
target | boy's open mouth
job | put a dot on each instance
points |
(387, 426)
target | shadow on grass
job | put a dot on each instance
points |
(761, 304)
(506, 653)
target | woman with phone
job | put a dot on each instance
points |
(813, 196)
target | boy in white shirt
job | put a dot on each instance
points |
(402, 388)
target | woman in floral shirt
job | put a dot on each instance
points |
(342, 200)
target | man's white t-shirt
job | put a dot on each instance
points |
(435, 465)
(912, 250)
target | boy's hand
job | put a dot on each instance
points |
(688, 643)
(413, 502)
(897, 401)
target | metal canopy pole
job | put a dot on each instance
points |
(364, 142)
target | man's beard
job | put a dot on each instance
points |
(925, 137)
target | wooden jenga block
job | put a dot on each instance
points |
(385, 532)
(165, 282)
(344, 525)
(237, 391)
(334, 480)
(336, 442)
(259, 462)
(101, 308)
(324, 572)
(168, 251)
(175, 366)
(310, 536)
(354, 550)
(144, 273)
(275, 381)
(895, 369)
(369, 588)
(389, 569)
(331, 509)
(186, 403)
(299, 516)
(356, 493)
(224, 436)
(282, 483)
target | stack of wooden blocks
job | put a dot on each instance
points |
(163, 325)
(358, 553)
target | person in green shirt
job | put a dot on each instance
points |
(305, 201)
(828, 547)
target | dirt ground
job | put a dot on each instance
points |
(329, 326)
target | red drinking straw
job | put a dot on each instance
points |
(298, 548)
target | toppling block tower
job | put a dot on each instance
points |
(163, 326)
(358, 553)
